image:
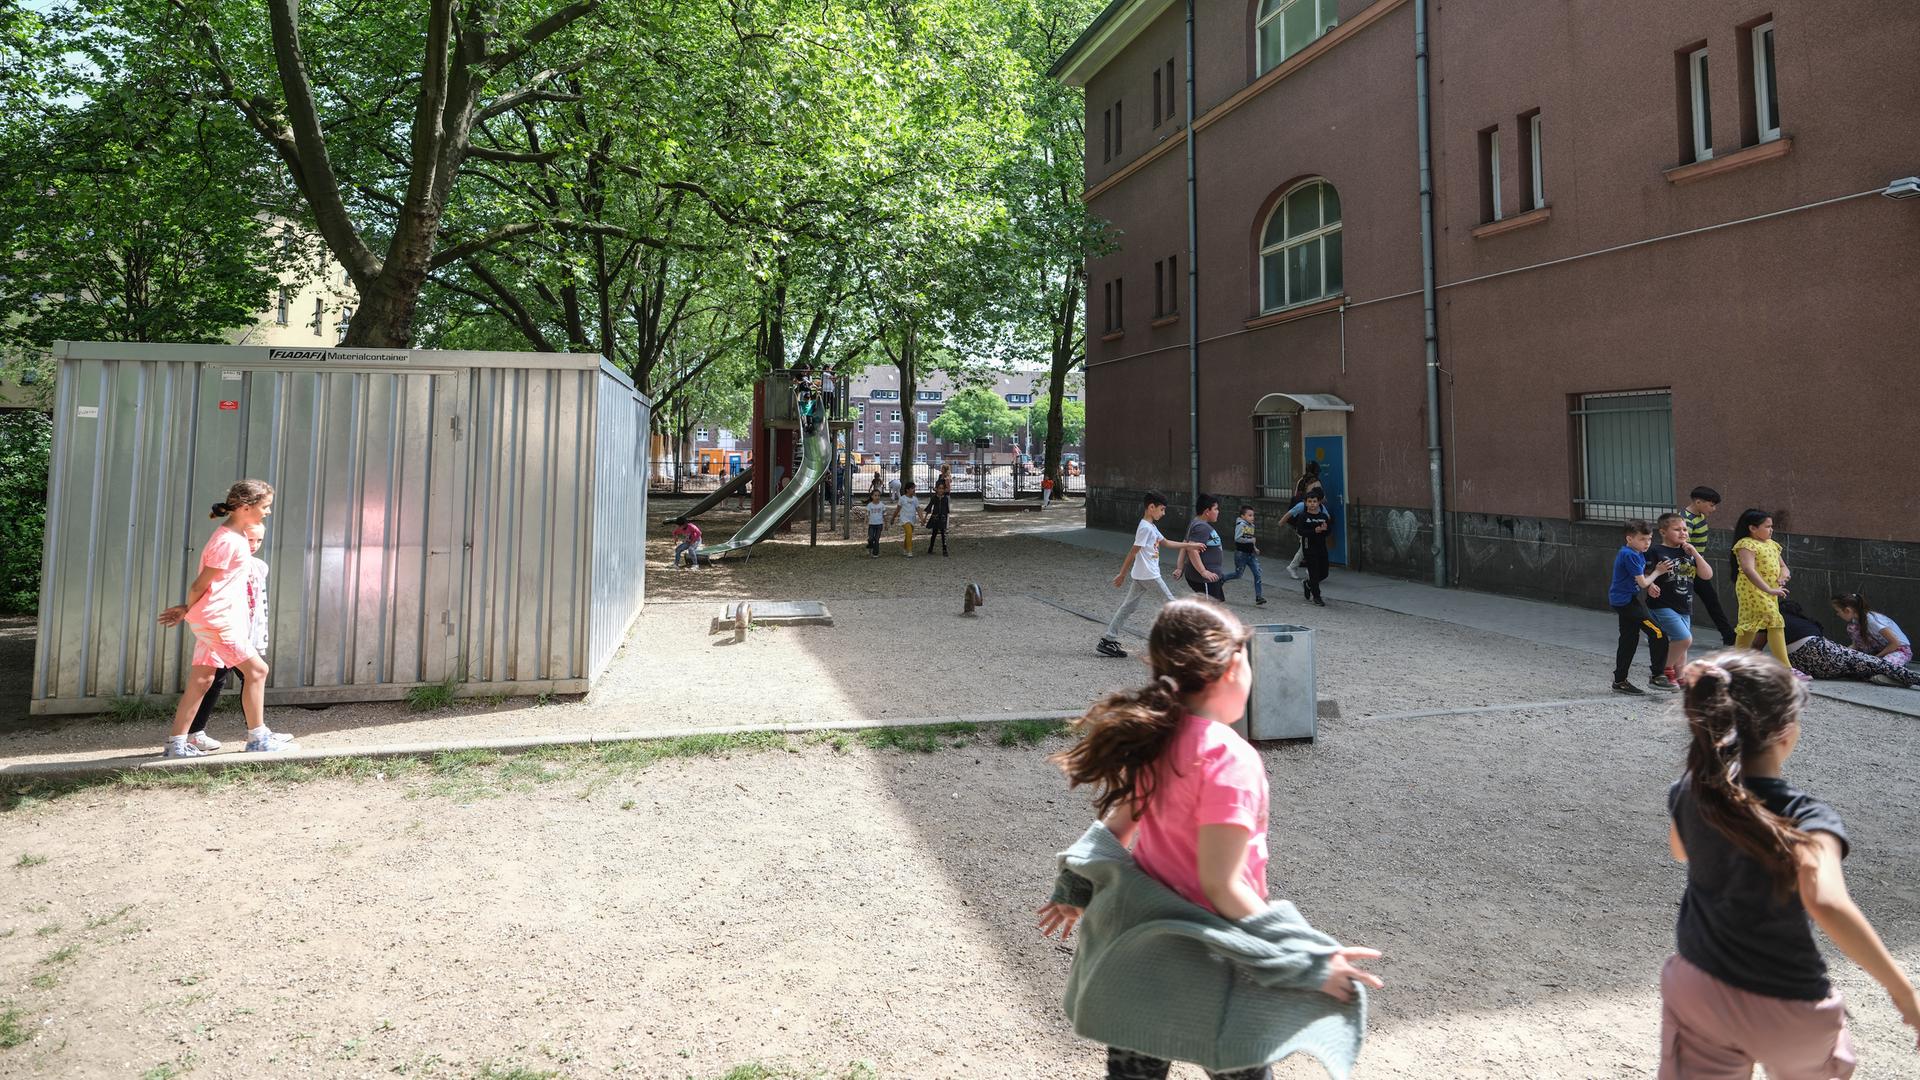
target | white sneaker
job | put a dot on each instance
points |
(1884, 680)
(182, 750)
(273, 743)
(1292, 573)
(200, 740)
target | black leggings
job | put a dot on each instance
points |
(1127, 1065)
(213, 697)
(1635, 621)
(937, 527)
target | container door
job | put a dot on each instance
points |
(1331, 452)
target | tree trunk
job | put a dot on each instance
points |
(384, 317)
(1056, 428)
(909, 391)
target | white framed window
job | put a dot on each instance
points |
(919, 459)
(1274, 436)
(700, 434)
(1766, 95)
(1300, 258)
(893, 437)
(920, 437)
(896, 416)
(286, 303)
(923, 415)
(346, 316)
(1533, 152)
(319, 316)
(1625, 443)
(1700, 95)
(1285, 27)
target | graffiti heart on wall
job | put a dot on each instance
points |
(1402, 528)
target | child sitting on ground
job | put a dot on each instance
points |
(1871, 632)
(689, 536)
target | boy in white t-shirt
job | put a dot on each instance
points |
(907, 512)
(1141, 571)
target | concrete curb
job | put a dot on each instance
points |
(11, 775)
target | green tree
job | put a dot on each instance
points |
(26, 445)
(1073, 420)
(975, 413)
(133, 212)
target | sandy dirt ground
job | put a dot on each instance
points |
(839, 911)
(819, 908)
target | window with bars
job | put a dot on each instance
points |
(1625, 447)
(1273, 436)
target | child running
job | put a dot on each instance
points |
(876, 519)
(938, 507)
(1871, 632)
(907, 512)
(218, 615)
(689, 536)
(1314, 524)
(1246, 553)
(1746, 984)
(1181, 955)
(1140, 571)
(1631, 577)
(1761, 585)
(259, 624)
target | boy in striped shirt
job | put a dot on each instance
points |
(1705, 501)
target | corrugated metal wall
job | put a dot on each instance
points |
(619, 515)
(431, 521)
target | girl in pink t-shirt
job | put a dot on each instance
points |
(1181, 788)
(222, 622)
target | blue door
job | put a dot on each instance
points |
(733, 464)
(1331, 452)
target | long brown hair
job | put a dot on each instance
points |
(1737, 702)
(242, 493)
(1857, 627)
(1190, 646)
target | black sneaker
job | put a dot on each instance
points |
(1110, 648)
(1306, 589)
(1319, 602)
(1625, 687)
(1259, 599)
(1662, 683)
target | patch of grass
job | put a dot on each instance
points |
(644, 753)
(60, 956)
(859, 1070)
(13, 1027)
(30, 861)
(108, 920)
(917, 740)
(48, 930)
(46, 980)
(167, 1070)
(432, 697)
(135, 710)
(1029, 732)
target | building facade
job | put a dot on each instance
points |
(1663, 257)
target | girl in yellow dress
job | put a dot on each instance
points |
(1761, 584)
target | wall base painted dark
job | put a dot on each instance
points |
(1557, 560)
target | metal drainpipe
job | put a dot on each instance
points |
(1428, 298)
(1193, 287)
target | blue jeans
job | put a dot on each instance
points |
(692, 550)
(1241, 561)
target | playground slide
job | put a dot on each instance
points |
(742, 479)
(817, 451)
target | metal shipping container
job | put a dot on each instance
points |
(467, 516)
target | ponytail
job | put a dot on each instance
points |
(1736, 704)
(242, 493)
(1125, 734)
(1857, 627)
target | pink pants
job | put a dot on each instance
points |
(1712, 1031)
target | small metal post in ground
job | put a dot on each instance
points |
(972, 599)
(742, 619)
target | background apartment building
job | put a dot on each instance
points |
(1664, 257)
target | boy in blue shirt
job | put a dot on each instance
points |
(1632, 577)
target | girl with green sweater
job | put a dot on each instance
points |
(1172, 880)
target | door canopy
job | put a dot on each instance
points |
(1277, 404)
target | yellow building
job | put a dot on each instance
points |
(313, 308)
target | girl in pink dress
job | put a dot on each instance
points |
(221, 621)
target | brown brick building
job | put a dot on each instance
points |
(1662, 258)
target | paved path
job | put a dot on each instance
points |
(1580, 629)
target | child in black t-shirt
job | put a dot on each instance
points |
(1314, 523)
(1746, 984)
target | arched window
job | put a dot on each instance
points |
(1287, 26)
(1300, 247)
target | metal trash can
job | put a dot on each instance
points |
(1283, 702)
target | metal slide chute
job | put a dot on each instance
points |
(740, 479)
(817, 455)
